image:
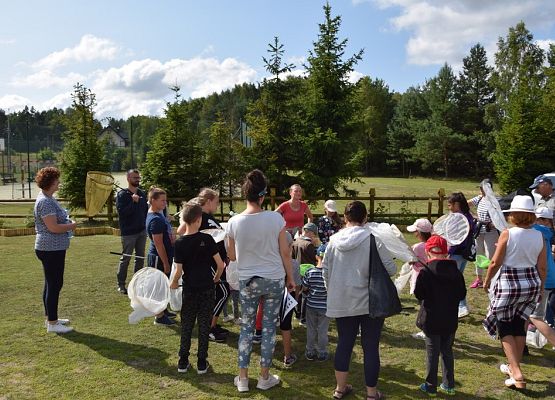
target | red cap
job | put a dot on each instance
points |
(436, 245)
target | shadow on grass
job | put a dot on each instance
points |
(148, 359)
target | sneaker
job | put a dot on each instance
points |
(463, 312)
(202, 367)
(310, 356)
(289, 361)
(122, 289)
(270, 382)
(238, 321)
(228, 318)
(183, 365)
(242, 384)
(220, 330)
(63, 321)
(323, 356)
(419, 335)
(164, 320)
(477, 284)
(447, 390)
(58, 328)
(256, 339)
(170, 314)
(216, 337)
(428, 390)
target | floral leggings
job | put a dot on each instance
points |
(251, 291)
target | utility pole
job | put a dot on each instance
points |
(28, 156)
(131, 142)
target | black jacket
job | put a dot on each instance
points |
(132, 216)
(439, 287)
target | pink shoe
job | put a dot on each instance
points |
(477, 284)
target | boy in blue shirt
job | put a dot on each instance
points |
(195, 254)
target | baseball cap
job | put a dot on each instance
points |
(330, 205)
(544, 212)
(540, 179)
(436, 245)
(311, 226)
(421, 225)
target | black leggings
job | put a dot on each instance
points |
(53, 265)
(347, 330)
(514, 327)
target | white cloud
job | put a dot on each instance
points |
(444, 30)
(62, 100)
(7, 41)
(46, 78)
(14, 102)
(544, 44)
(354, 76)
(89, 48)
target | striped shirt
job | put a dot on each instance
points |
(482, 210)
(317, 294)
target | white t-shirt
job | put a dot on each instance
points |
(523, 247)
(257, 244)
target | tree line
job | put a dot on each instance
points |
(323, 131)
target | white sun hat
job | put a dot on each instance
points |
(521, 204)
(330, 205)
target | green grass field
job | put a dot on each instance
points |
(106, 358)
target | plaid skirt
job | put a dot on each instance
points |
(515, 295)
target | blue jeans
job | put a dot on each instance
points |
(461, 264)
(250, 292)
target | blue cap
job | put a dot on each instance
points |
(540, 179)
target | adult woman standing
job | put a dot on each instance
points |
(52, 225)
(346, 271)
(330, 222)
(258, 243)
(160, 251)
(520, 258)
(294, 210)
(457, 203)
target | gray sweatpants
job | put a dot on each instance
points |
(131, 243)
(316, 330)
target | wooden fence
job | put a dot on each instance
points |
(376, 210)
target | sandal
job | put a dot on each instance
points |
(339, 394)
(377, 396)
(515, 383)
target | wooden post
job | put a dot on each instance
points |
(111, 207)
(429, 209)
(273, 198)
(372, 193)
(441, 194)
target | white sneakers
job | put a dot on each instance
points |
(463, 312)
(63, 321)
(58, 327)
(263, 384)
(419, 335)
(242, 384)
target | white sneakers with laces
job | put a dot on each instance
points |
(58, 327)
(242, 384)
(270, 382)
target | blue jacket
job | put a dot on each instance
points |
(547, 234)
(132, 216)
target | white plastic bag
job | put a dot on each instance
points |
(535, 339)
(149, 292)
(393, 240)
(232, 275)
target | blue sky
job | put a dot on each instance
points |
(130, 52)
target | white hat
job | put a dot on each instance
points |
(521, 204)
(330, 205)
(421, 225)
(544, 212)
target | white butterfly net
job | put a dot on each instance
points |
(453, 227)
(149, 292)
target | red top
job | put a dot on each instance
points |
(293, 219)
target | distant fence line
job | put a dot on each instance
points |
(376, 211)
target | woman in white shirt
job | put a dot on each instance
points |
(258, 243)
